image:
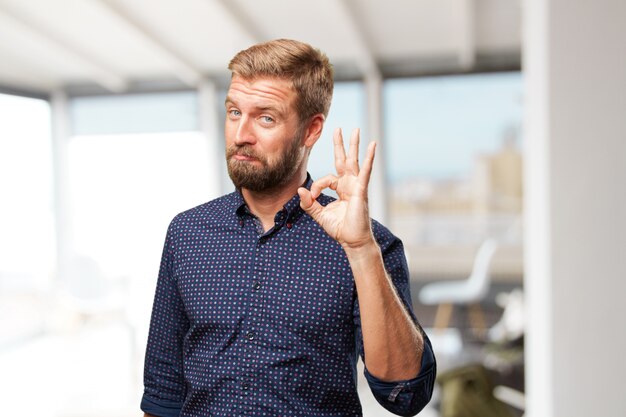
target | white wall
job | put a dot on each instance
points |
(575, 69)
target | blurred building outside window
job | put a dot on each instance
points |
(455, 170)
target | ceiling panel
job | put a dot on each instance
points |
(26, 50)
(89, 27)
(498, 25)
(118, 43)
(405, 28)
(201, 31)
(319, 23)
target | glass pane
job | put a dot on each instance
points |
(126, 188)
(455, 169)
(27, 246)
(347, 112)
(26, 219)
(135, 113)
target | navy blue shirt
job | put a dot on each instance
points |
(254, 323)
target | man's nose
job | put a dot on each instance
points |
(245, 132)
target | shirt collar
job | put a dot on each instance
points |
(289, 214)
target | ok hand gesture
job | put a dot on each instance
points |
(346, 219)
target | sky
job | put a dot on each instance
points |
(435, 125)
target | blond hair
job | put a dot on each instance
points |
(307, 68)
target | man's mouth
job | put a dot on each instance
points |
(241, 157)
(243, 154)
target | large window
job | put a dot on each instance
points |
(455, 168)
(133, 162)
(347, 112)
(27, 250)
(26, 240)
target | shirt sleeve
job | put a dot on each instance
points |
(407, 397)
(164, 387)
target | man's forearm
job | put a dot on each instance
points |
(393, 345)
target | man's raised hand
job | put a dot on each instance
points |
(346, 219)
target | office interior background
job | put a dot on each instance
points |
(500, 122)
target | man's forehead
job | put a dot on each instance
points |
(261, 88)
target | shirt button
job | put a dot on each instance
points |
(245, 386)
(256, 285)
(250, 335)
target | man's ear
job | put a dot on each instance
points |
(314, 130)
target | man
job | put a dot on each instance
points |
(266, 296)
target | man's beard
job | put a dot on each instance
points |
(251, 176)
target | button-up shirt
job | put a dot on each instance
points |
(254, 323)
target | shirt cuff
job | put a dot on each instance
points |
(409, 397)
(160, 408)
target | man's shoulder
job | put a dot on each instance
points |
(217, 210)
(383, 235)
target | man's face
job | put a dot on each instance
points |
(264, 146)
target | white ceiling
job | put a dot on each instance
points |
(115, 45)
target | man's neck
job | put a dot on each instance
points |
(265, 204)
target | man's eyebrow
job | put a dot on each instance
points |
(262, 107)
(269, 107)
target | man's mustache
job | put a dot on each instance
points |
(243, 150)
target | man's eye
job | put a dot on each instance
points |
(267, 119)
(234, 112)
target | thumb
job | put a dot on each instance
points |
(308, 204)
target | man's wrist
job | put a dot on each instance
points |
(364, 251)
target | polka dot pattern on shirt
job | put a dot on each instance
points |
(257, 324)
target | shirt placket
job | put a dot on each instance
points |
(252, 327)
